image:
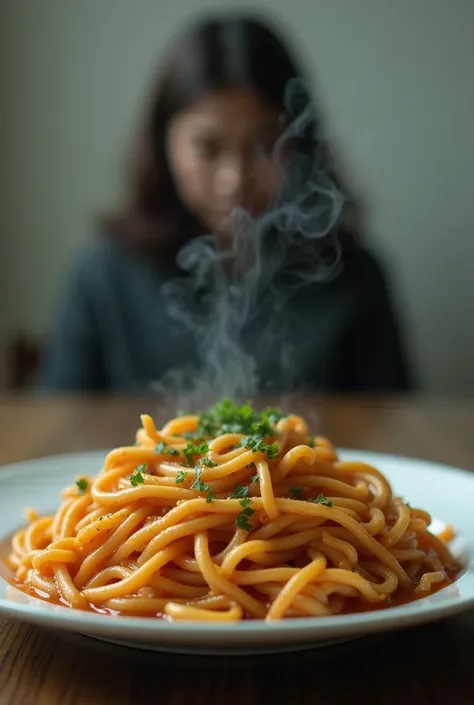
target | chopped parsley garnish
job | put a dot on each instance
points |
(227, 417)
(210, 495)
(137, 478)
(181, 476)
(192, 450)
(193, 436)
(166, 450)
(82, 485)
(254, 479)
(242, 520)
(201, 486)
(239, 492)
(322, 499)
(198, 484)
(208, 463)
(312, 441)
(297, 492)
(272, 415)
(256, 445)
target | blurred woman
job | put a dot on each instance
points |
(229, 130)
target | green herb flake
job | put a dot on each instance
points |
(181, 476)
(82, 485)
(194, 449)
(242, 522)
(198, 484)
(201, 486)
(162, 448)
(239, 492)
(208, 463)
(256, 445)
(227, 417)
(242, 519)
(137, 478)
(210, 495)
(322, 499)
(254, 479)
(297, 492)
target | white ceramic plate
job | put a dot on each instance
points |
(445, 492)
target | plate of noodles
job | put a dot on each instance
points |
(233, 530)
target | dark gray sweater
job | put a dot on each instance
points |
(112, 330)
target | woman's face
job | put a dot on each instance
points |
(220, 156)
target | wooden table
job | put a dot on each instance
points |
(429, 665)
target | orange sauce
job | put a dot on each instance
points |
(403, 597)
(58, 601)
(351, 605)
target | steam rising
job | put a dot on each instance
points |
(268, 260)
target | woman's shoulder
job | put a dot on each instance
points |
(365, 261)
(361, 280)
(98, 259)
(107, 262)
(365, 270)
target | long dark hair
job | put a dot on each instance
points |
(213, 54)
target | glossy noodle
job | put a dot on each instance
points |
(231, 515)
